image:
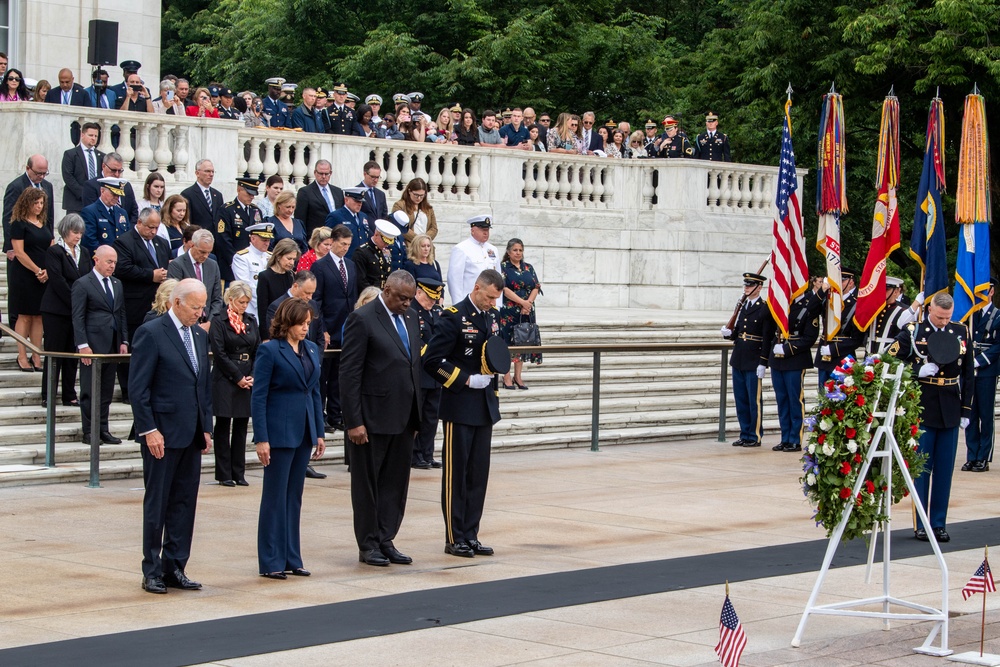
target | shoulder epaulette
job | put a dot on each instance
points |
(243, 252)
(452, 309)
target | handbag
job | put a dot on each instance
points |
(526, 334)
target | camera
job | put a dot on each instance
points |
(136, 88)
(170, 96)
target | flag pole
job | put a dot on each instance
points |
(986, 573)
(727, 588)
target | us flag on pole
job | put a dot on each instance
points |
(981, 582)
(732, 639)
(790, 272)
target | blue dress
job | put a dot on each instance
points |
(298, 233)
(419, 271)
(522, 282)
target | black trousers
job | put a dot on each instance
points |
(380, 479)
(123, 368)
(329, 388)
(230, 450)
(168, 506)
(465, 474)
(423, 446)
(107, 390)
(59, 338)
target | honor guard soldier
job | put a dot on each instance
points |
(250, 262)
(883, 331)
(342, 117)
(374, 259)
(942, 355)
(712, 144)
(105, 220)
(119, 89)
(464, 356)
(747, 334)
(375, 102)
(651, 142)
(846, 341)
(471, 257)
(788, 359)
(322, 113)
(675, 144)
(236, 217)
(986, 341)
(428, 312)
(275, 110)
(226, 108)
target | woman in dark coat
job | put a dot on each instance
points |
(279, 274)
(64, 262)
(235, 339)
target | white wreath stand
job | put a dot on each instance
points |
(884, 446)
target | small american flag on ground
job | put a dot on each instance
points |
(732, 639)
(981, 582)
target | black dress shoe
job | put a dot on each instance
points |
(312, 474)
(437, 464)
(942, 535)
(153, 585)
(300, 572)
(242, 482)
(980, 466)
(967, 466)
(789, 447)
(227, 482)
(921, 535)
(179, 580)
(72, 403)
(460, 549)
(373, 557)
(480, 549)
(421, 465)
(274, 575)
(335, 425)
(395, 556)
(126, 401)
(109, 439)
(780, 447)
(738, 443)
(748, 443)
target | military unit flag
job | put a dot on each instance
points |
(972, 212)
(927, 245)
(732, 639)
(831, 203)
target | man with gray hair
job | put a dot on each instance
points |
(205, 205)
(113, 167)
(592, 141)
(196, 263)
(318, 199)
(942, 354)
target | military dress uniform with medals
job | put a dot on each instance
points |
(986, 344)
(427, 320)
(249, 263)
(275, 110)
(748, 338)
(883, 331)
(375, 264)
(103, 224)
(713, 146)
(676, 146)
(845, 342)
(788, 358)
(235, 218)
(342, 119)
(943, 360)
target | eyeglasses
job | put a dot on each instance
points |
(323, 173)
(116, 172)
(14, 79)
(418, 195)
(43, 174)
(588, 122)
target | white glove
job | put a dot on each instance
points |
(919, 299)
(964, 424)
(760, 372)
(976, 361)
(726, 333)
(480, 381)
(779, 349)
(825, 350)
(928, 370)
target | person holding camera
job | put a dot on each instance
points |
(254, 117)
(100, 96)
(168, 102)
(136, 96)
(203, 107)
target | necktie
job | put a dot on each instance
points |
(208, 198)
(152, 252)
(402, 333)
(109, 295)
(326, 196)
(189, 344)
(104, 102)
(371, 196)
(91, 164)
(343, 272)
(197, 270)
(65, 97)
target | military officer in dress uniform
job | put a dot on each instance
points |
(846, 341)
(352, 100)
(342, 117)
(322, 113)
(398, 100)
(712, 144)
(747, 335)
(105, 220)
(128, 67)
(226, 108)
(675, 144)
(942, 354)
(892, 319)
(427, 311)
(252, 260)
(788, 358)
(234, 219)
(464, 356)
(415, 100)
(986, 341)
(275, 110)
(471, 257)
(651, 142)
(374, 259)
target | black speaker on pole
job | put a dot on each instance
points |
(103, 46)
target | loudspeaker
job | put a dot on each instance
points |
(103, 46)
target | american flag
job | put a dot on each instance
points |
(981, 582)
(790, 273)
(732, 639)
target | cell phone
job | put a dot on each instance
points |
(170, 96)
(136, 88)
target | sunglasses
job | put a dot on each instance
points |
(588, 122)
(14, 79)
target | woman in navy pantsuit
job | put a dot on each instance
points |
(286, 387)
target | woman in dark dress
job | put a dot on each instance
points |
(421, 262)
(285, 225)
(30, 238)
(65, 261)
(279, 275)
(176, 219)
(520, 288)
(235, 340)
(466, 132)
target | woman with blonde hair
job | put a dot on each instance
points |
(414, 203)
(445, 127)
(320, 244)
(286, 226)
(420, 258)
(367, 295)
(202, 107)
(565, 136)
(636, 144)
(161, 302)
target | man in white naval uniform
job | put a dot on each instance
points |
(470, 258)
(249, 262)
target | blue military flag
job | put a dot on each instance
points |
(927, 245)
(972, 212)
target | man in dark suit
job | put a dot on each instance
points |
(99, 327)
(205, 204)
(318, 199)
(113, 168)
(351, 216)
(336, 294)
(303, 287)
(68, 92)
(171, 390)
(99, 95)
(33, 177)
(142, 265)
(197, 264)
(470, 407)
(373, 205)
(380, 392)
(105, 219)
(79, 165)
(592, 141)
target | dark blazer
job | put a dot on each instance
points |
(316, 328)
(596, 141)
(92, 192)
(381, 209)
(379, 382)
(108, 95)
(334, 301)
(10, 195)
(208, 218)
(311, 208)
(270, 286)
(135, 270)
(233, 356)
(362, 228)
(75, 176)
(281, 390)
(183, 267)
(63, 272)
(94, 322)
(166, 393)
(78, 96)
